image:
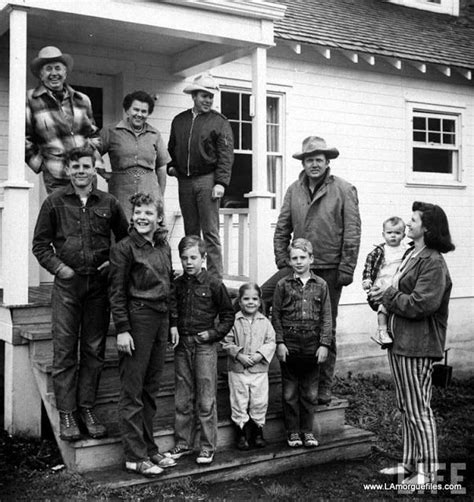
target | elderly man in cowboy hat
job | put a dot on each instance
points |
(322, 208)
(201, 147)
(58, 118)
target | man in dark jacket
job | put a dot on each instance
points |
(72, 241)
(324, 209)
(201, 147)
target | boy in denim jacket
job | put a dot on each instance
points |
(200, 298)
(302, 320)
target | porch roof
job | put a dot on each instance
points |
(377, 27)
(196, 35)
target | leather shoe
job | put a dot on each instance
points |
(94, 428)
(68, 428)
(324, 397)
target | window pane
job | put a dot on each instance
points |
(236, 132)
(273, 113)
(448, 139)
(434, 137)
(240, 182)
(427, 160)
(419, 123)
(449, 125)
(419, 136)
(230, 105)
(272, 138)
(434, 124)
(246, 136)
(246, 107)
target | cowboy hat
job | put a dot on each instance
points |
(50, 54)
(315, 144)
(202, 83)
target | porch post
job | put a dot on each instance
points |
(260, 240)
(15, 218)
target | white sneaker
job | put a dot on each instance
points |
(294, 440)
(205, 456)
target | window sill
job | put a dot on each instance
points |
(437, 184)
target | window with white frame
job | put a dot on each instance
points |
(435, 145)
(235, 105)
(450, 7)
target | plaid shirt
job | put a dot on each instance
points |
(53, 128)
(374, 263)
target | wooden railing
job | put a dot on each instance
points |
(234, 234)
(235, 243)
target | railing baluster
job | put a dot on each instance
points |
(233, 250)
(228, 217)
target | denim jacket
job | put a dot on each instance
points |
(140, 272)
(69, 233)
(201, 298)
(301, 314)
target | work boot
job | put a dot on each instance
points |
(257, 435)
(324, 396)
(95, 429)
(68, 428)
(241, 437)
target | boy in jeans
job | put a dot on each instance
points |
(200, 298)
(302, 320)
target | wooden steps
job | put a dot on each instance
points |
(101, 459)
(229, 463)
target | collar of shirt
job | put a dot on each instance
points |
(201, 277)
(294, 277)
(123, 124)
(69, 190)
(258, 315)
(69, 91)
(139, 240)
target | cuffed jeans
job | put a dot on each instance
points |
(140, 376)
(326, 373)
(201, 215)
(195, 392)
(299, 381)
(80, 316)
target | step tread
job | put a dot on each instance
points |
(116, 477)
(163, 425)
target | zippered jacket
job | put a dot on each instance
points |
(330, 221)
(202, 144)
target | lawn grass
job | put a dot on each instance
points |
(26, 465)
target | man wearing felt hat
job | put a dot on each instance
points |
(58, 118)
(324, 209)
(201, 147)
